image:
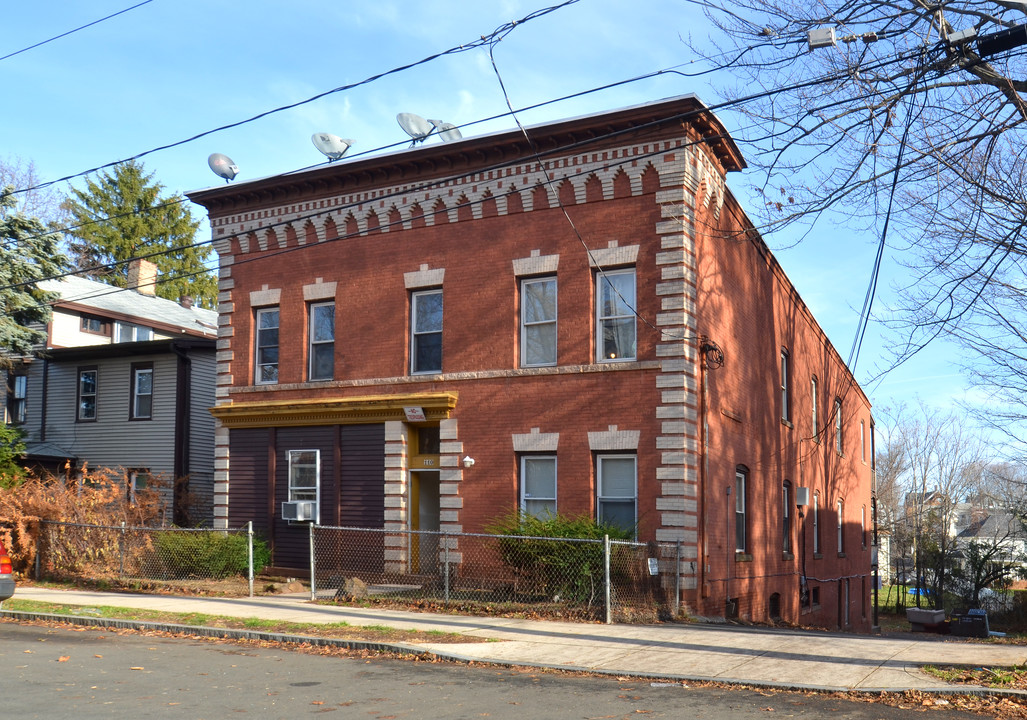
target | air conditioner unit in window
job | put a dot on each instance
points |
(299, 510)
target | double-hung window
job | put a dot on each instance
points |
(838, 426)
(426, 332)
(841, 528)
(816, 523)
(615, 315)
(18, 399)
(305, 477)
(142, 391)
(786, 518)
(785, 400)
(86, 395)
(813, 410)
(741, 476)
(267, 346)
(538, 322)
(616, 490)
(538, 485)
(322, 341)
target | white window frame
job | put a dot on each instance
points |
(128, 332)
(300, 493)
(813, 392)
(137, 373)
(838, 426)
(79, 395)
(315, 344)
(741, 527)
(786, 519)
(816, 523)
(862, 441)
(604, 318)
(138, 479)
(602, 498)
(785, 400)
(18, 411)
(527, 499)
(840, 506)
(259, 346)
(416, 334)
(532, 327)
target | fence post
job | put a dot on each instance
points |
(445, 552)
(121, 549)
(249, 551)
(606, 577)
(677, 578)
(313, 566)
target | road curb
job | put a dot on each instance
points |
(405, 649)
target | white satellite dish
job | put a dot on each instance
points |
(223, 166)
(331, 146)
(415, 126)
(447, 131)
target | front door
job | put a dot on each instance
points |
(424, 517)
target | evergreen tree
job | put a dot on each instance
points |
(122, 214)
(28, 253)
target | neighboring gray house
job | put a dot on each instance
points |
(125, 381)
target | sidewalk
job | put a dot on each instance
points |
(729, 654)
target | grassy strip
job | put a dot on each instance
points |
(344, 630)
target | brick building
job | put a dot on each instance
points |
(598, 327)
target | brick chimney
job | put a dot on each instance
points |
(142, 274)
(185, 301)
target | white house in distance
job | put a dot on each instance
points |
(125, 380)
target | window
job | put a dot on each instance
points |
(615, 315)
(87, 386)
(862, 441)
(740, 539)
(786, 517)
(95, 325)
(785, 406)
(142, 391)
(322, 341)
(615, 490)
(426, 332)
(127, 332)
(841, 529)
(137, 479)
(267, 346)
(17, 399)
(538, 485)
(816, 523)
(838, 426)
(538, 322)
(813, 395)
(305, 477)
(863, 526)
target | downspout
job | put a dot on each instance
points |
(704, 459)
(183, 414)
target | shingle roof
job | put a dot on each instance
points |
(108, 299)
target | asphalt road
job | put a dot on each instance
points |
(87, 674)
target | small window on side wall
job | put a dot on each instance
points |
(142, 391)
(86, 395)
(741, 536)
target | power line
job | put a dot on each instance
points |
(70, 32)
(481, 41)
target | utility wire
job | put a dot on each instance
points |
(70, 32)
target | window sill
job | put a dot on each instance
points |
(841, 554)
(787, 423)
(818, 556)
(743, 557)
(787, 556)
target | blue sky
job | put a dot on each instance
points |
(172, 69)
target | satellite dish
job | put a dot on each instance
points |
(331, 146)
(447, 131)
(223, 166)
(415, 126)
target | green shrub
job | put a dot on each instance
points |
(206, 554)
(546, 561)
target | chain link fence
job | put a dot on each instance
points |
(556, 577)
(77, 552)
